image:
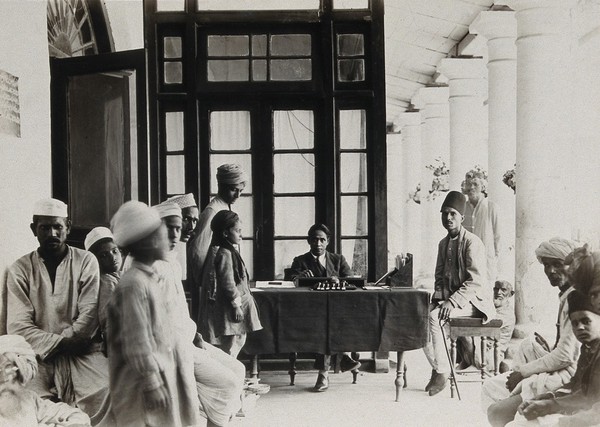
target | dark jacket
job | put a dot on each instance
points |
(335, 265)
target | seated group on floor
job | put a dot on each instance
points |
(101, 340)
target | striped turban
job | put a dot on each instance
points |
(556, 248)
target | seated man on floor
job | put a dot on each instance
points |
(460, 278)
(538, 368)
(319, 262)
(52, 303)
(22, 407)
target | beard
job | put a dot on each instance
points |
(13, 402)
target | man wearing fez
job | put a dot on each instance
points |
(52, 303)
(538, 367)
(231, 181)
(460, 278)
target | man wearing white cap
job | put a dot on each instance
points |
(189, 221)
(231, 181)
(219, 377)
(52, 303)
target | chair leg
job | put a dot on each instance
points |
(496, 357)
(483, 364)
(453, 363)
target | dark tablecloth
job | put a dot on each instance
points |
(303, 320)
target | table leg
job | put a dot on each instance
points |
(254, 371)
(292, 371)
(400, 378)
(483, 348)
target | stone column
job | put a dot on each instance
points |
(500, 30)
(433, 103)
(410, 125)
(397, 190)
(466, 79)
(543, 144)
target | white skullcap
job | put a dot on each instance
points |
(50, 207)
(19, 352)
(183, 200)
(133, 221)
(166, 209)
(95, 235)
(231, 174)
(556, 247)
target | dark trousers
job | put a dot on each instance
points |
(323, 362)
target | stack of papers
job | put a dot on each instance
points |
(275, 284)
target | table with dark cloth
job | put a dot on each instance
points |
(304, 320)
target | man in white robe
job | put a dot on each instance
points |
(52, 303)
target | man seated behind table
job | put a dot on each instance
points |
(319, 262)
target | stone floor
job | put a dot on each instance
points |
(368, 403)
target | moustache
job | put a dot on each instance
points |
(52, 240)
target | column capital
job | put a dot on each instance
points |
(409, 118)
(542, 17)
(494, 24)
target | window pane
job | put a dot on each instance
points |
(230, 130)
(291, 69)
(243, 160)
(172, 46)
(293, 129)
(290, 45)
(173, 73)
(259, 70)
(174, 130)
(352, 129)
(170, 5)
(350, 4)
(227, 70)
(354, 216)
(286, 251)
(243, 207)
(175, 174)
(247, 253)
(259, 45)
(351, 44)
(294, 215)
(257, 5)
(228, 46)
(356, 253)
(353, 172)
(294, 173)
(351, 70)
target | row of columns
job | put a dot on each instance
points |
(529, 121)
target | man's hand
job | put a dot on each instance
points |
(445, 310)
(514, 378)
(306, 273)
(238, 314)
(532, 409)
(75, 346)
(157, 398)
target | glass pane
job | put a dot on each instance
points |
(173, 73)
(258, 5)
(259, 45)
(354, 216)
(228, 46)
(290, 45)
(244, 160)
(294, 173)
(294, 215)
(170, 5)
(259, 70)
(285, 252)
(230, 130)
(247, 253)
(352, 129)
(228, 70)
(351, 70)
(102, 145)
(356, 253)
(175, 174)
(293, 129)
(350, 4)
(351, 44)
(172, 46)
(174, 130)
(291, 69)
(353, 172)
(243, 207)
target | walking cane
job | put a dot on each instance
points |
(452, 372)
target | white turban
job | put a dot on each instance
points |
(166, 209)
(96, 235)
(133, 221)
(50, 207)
(556, 247)
(18, 351)
(232, 174)
(183, 200)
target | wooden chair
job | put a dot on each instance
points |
(474, 327)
